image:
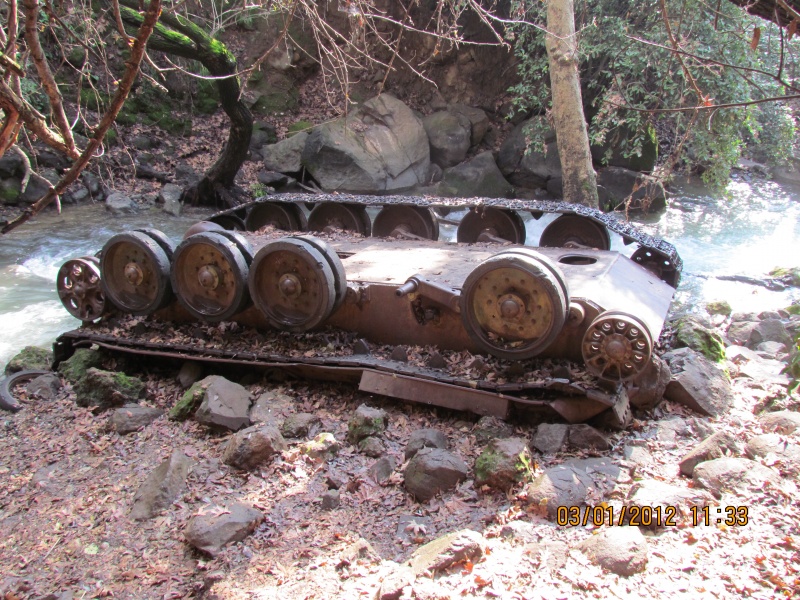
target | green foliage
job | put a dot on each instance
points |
(620, 74)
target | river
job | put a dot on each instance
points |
(750, 229)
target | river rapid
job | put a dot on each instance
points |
(750, 229)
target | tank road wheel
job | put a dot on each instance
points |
(293, 284)
(489, 224)
(160, 238)
(514, 305)
(80, 290)
(336, 216)
(659, 264)
(135, 273)
(229, 222)
(335, 263)
(617, 346)
(406, 222)
(209, 274)
(575, 231)
(202, 226)
(281, 215)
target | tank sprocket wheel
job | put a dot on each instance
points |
(229, 222)
(135, 273)
(281, 215)
(514, 305)
(409, 222)
(616, 346)
(338, 216)
(488, 224)
(80, 289)
(335, 263)
(658, 264)
(575, 231)
(209, 275)
(292, 283)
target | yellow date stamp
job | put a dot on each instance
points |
(646, 516)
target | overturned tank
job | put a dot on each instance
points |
(566, 327)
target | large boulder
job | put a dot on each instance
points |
(777, 449)
(30, 358)
(450, 135)
(285, 156)
(380, 147)
(433, 470)
(698, 383)
(119, 204)
(479, 122)
(74, 368)
(622, 189)
(478, 176)
(225, 404)
(528, 169)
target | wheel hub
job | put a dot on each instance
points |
(511, 306)
(133, 274)
(208, 277)
(616, 347)
(290, 286)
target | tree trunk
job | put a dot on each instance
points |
(580, 184)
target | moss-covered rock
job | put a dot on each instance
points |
(794, 309)
(366, 422)
(298, 127)
(322, 446)
(189, 402)
(788, 275)
(504, 463)
(719, 307)
(690, 333)
(104, 389)
(74, 368)
(30, 358)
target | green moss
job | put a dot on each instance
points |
(298, 127)
(486, 465)
(189, 402)
(30, 358)
(794, 309)
(719, 307)
(104, 389)
(790, 275)
(325, 444)
(74, 369)
(94, 100)
(9, 191)
(692, 334)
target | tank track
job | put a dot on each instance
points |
(627, 231)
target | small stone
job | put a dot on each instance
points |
(424, 438)
(413, 528)
(372, 447)
(121, 204)
(584, 436)
(638, 455)
(489, 427)
(433, 470)
(190, 373)
(366, 421)
(253, 447)
(400, 353)
(698, 383)
(272, 408)
(562, 372)
(653, 494)
(437, 361)
(504, 463)
(716, 445)
(718, 307)
(322, 446)
(448, 550)
(225, 405)
(299, 425)
(211, 530)
(771, 349)
(133, 418)
(783, 454)
(162, 487)
(330, 500)
(734, 474)
(477, 363)
(361, 347)
(335, 481)
(521, 531)
(382, 469)
(44, 386)
(621, 550)
(170, 197)
(550, 437)
(782, 421)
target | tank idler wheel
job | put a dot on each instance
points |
(337, 216)
(514, 305)
(135, 273)
(616, 346)
(489, 224)
(335, 263)
(281, 215)
(406, 222)
(575, 231)
(658, 264)
(229, 222)
(202, 226)
(209, 275)
(80, 290)
(292, 283)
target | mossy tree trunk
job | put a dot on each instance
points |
(580, 184)
(180, 37)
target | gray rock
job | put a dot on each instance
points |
(190, 373)
(650, 385)
(371, 446)
(277, 181)
(399, 353)
(133, 417)
(504, 463)
(488, 428)
(691, 333)
(718, 307)
(162, 487)
(324, 445)
(777, 448)
(118, 204)
(716, 445)
(44, 386)
(211, 530)
(551, 554)
(38, 186)
(382, 469)
(769, 330)
(521, 531)
(433, 470)
(478, 176)
(11, 164)
(105, 389)
(550, 437)
(697, 383)
(299, 425)
(253, 447)
(330, 500)
(424, 438)
(739, 332)
(446, 551)
(652, 493)
(366, 421)
(644, 192)
(92, 183)
(584, 436)
(621, 550)
(782, 421)
(638, 455)
(394, 582)
(771, 350)
(74, 368)
(272, 408)
(225, 405)
(734, 474)
(380, 147)
(335, 480)
(479, 122)
(285, 156)
(450, 136)
(170, 197)
(10, 192)
(529, 169)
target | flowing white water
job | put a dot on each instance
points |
(752, 229)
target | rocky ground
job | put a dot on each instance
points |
(329, 492)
